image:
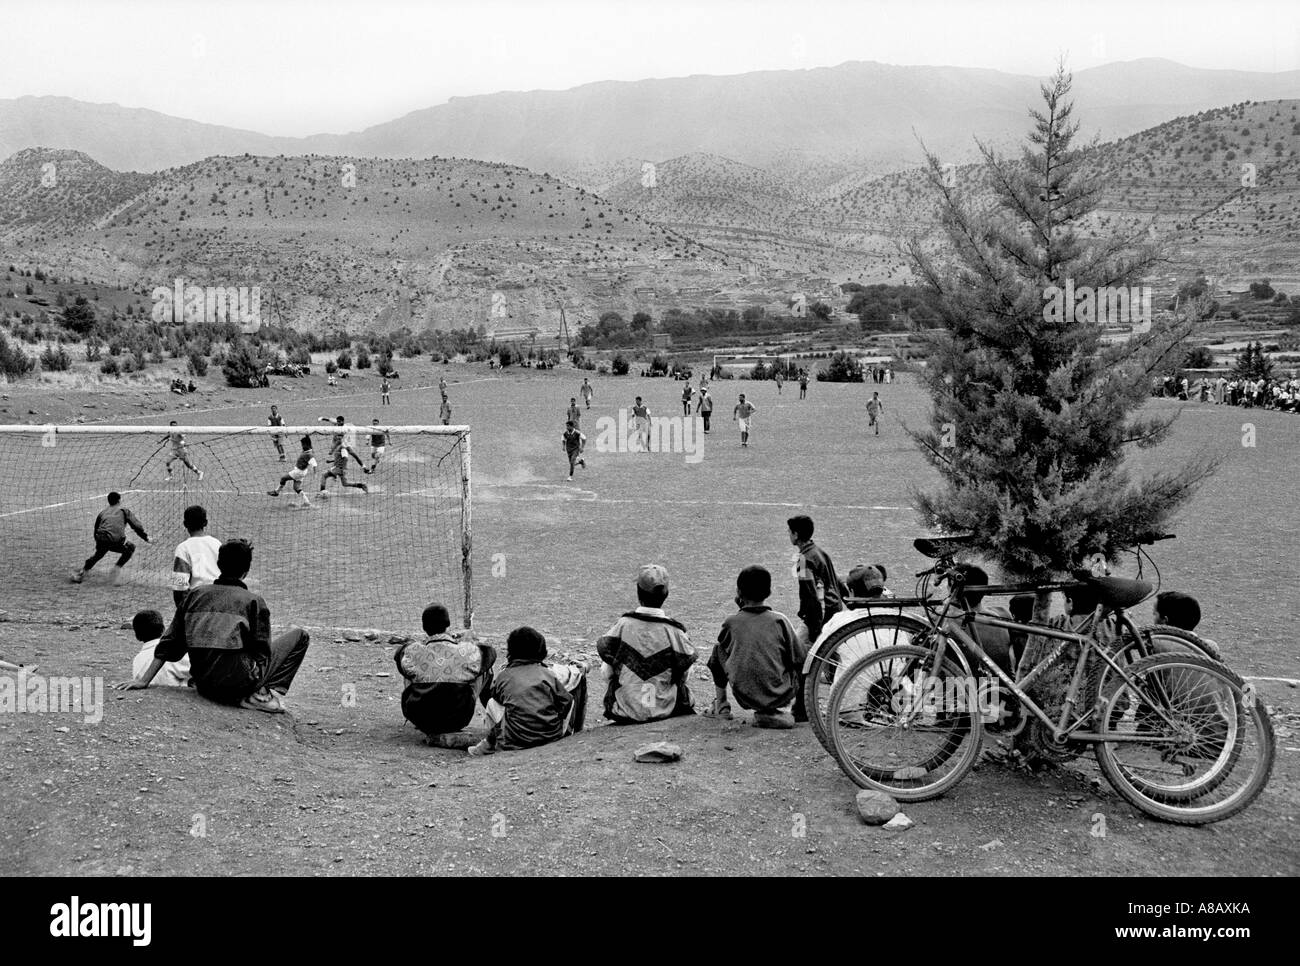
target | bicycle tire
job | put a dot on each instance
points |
(823, 661)
(964, 731)
(1174, 805)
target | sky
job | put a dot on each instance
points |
(298, 67)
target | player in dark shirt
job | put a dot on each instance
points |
(110, 537)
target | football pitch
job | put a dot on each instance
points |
(561, 555)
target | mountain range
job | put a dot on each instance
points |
(815, 126)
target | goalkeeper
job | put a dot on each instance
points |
(110, 537)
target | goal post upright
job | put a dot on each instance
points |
(466, 533)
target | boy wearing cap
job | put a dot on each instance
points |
(759, 654)
(646, 655)
(531, 703)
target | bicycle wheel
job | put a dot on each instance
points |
(887, 733)
(1207, 762)
(844, 647)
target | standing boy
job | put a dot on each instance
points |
(820, 593)
(586, 392)
(705, 407)
(641, 426)
(687, 395)
(444, 411)
(741, 414)
(378, 443)
(384, 388)
(759, 654)
(195, 561)
(275, 419)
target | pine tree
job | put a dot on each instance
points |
(1032, 414)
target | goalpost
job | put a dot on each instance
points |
(351, 559)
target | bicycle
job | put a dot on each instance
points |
(1176, 734)
(885, 623)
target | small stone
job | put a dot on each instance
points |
(899, 822)
(990, 846)
(876, 808)
(658, 752)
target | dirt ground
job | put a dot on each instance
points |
(167, 783)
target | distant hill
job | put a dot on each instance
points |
(349, 243)
(809, 126)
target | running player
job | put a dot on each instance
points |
(180, 451)
(585, 391)
(741, 414)
(338, 460)
(641, 425)
(303, 467)
(275, 419)
(378, 442)
(444, 411)
(874, 409)
(573, 413)
(574, 443)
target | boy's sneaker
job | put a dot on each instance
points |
(79, 576)
(481, 749)
(364, 488)
(168, 479)
(582, 463)
(263, 700)
(773, 719)
(200, 472)
(272, 492)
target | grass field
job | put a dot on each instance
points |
(342, 789)
(562, 555)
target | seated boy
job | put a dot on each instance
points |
(531, 703)
(444, 679)
(863, 582)
(758, 654)
(646, 654)
(148, 626)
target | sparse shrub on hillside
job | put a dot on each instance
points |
(300, 356)
(659, 364)
(385, 364)
(363, 358)
(344, 360)
(55, 358)
(244, 367)
(14, 363)
(198, 364)
(94, 348)
(1262, 289)
(619, 365)
(110, 367)
(506, 356)
(331, 367)
(79, 317)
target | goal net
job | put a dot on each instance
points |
(369, 554)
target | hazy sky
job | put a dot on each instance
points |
(293, 68)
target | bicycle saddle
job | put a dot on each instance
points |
(1116, 591)
(942, 545)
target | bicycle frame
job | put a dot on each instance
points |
(947, 629)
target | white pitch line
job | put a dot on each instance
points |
(1246, 677)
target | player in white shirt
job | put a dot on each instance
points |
(195, 562)
(148, 626)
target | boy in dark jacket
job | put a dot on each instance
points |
(532, 703)
(444, 679)
(759, 654)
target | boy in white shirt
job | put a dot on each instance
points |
(195, 562)
(148, 626)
